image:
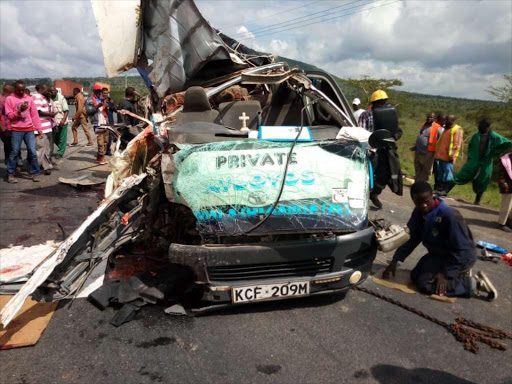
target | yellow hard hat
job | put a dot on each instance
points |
(378, 95)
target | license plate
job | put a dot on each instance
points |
(269, 292)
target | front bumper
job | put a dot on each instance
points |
(327, 264)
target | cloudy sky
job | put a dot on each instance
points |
(453, 48)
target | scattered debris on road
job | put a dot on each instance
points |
(494, 253)
(28, 326)
(17, 264)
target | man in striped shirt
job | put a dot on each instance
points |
(45, 146)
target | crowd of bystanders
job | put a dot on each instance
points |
(40, 120)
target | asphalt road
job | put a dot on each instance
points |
(359, 339)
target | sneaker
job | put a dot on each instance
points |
(36, 178)
(101, 160)
(375, 200)
(484, 284)
(11, 179)
(47, 171)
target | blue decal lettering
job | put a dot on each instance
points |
(252, 211)
(232, 212)
(335, 207)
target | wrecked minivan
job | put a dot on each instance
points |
(280, 205)
(251, 176)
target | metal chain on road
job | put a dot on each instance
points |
(462, 334)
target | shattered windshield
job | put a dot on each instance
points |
(230, 185)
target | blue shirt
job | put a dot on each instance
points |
(445, 234)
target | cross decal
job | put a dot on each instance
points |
(244, 119)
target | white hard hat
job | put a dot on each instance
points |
(356, 101)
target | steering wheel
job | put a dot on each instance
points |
(319, 109)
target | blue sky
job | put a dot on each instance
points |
(453, 48)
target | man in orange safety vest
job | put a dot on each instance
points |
(447, 152)
(425, 147)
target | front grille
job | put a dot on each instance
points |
(270, 270)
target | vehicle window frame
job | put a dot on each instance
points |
(340, 100)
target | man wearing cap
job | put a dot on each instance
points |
(356, 105)
(386, 167)
(425, 147)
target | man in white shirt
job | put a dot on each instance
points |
(356, 105)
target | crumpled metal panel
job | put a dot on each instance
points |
(231, 186)
(179, 41)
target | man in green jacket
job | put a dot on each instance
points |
(483, 147)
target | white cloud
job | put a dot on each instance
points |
(243, 31)
(57, 41)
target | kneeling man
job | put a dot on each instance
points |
(444, 270)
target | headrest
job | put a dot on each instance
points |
(196, 100)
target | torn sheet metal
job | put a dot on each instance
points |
(17, 263)
(180, 42)
(230, 186)
(68, 246)
(120, 30)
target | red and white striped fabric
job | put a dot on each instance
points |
(43, 106)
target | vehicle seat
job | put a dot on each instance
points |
(196, 107)
(284, 108)
(230, 113)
